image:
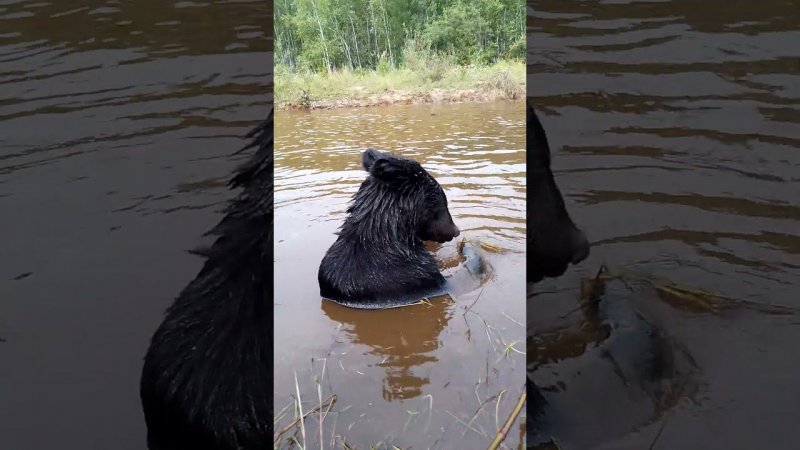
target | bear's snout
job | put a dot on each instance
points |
(444, 233)
(580, 247)
(453, 233)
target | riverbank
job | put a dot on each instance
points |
(431, 84)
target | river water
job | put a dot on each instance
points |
(428, 376)
(676, 128)
(117, 123)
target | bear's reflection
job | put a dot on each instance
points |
(403, 338)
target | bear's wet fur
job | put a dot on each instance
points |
(379, 259)
(207, 377)
(553, 240)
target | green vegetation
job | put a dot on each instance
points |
(503, 80)
(356, 52)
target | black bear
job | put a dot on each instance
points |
(207, 377)
(379, 259)
(553, 239)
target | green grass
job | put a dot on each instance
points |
(425, 80)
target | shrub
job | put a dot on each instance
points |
(427, 64)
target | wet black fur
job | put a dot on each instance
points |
(379, 259)
(553, 239)
(207, 377)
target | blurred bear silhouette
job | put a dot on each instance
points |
(207, 377)
(554, 241)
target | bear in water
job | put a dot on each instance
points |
(207, 377)
(553, 239)
(379, 259)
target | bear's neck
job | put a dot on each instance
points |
(380, 219)
(382, 236)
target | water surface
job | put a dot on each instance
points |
(117, 123)
(677, 127)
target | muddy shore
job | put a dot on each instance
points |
(407, 98)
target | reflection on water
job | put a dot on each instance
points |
(677, 127)
(404, 338)
(409, 376)
(117, 122)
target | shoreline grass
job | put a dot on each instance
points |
(426, 82)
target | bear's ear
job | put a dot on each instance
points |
(369, 157)
(388, 169)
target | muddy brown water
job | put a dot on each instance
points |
(414, 376)
(676, 130)
(117, 123)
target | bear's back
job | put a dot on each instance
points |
(375, 278)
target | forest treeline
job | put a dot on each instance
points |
(329, 35)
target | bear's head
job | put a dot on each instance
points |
(410, 191)
(554, 241)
